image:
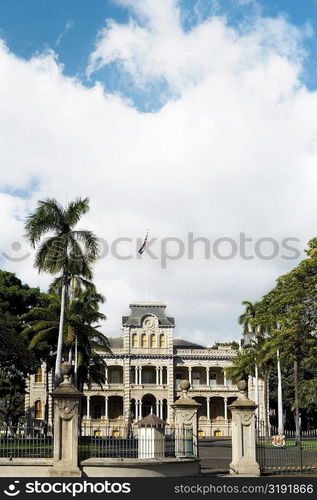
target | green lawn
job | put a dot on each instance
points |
(290, 443)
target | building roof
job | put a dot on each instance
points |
(139, 310)
(116, 342)
(186, 344)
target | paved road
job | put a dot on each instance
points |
(215, 455)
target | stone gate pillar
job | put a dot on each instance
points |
(243, 435)
(186, 423)
(66, 400)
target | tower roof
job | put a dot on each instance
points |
(141, 309)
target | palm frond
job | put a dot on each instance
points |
(47, 217)
(75, 210)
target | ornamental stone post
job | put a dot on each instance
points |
(186, 423)
(66, 400)
(243, 435)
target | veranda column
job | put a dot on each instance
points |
(136, 416)
(190, 375)
(225, 400)
(157, 408)
(106, 407)
(66, 400)
(208, 408)
(106, 375)
(140, 409)
(88, 407)
(207, 376)
(157, 375)
(140, 375)
(161, 375)
(243, 435)
(224, 377)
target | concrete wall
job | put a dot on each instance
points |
(25, 467)
(108, 467)
(104, 467)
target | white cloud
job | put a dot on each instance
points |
(160, 49)
(235, 152)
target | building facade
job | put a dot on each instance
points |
(143, 373)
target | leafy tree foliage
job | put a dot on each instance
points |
(16, 360)
(287, 317)
(81, 317)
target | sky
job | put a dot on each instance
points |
(193, 119)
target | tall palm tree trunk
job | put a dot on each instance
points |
(59, 351)
(256, 373)
(280, 425)
(266, 410)
(296, 402)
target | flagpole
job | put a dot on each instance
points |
(141, 250)
(147, 280)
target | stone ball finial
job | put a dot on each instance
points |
(184, 385)
(242, 385)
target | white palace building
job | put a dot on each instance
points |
(143, 374)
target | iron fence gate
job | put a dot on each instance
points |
(286, 454)
(122, 442)
(26, 442)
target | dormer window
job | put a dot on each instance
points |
(38, 409)
(39, 375)
(135, 340)
(162, 340)
(153, 340)
(144, 340)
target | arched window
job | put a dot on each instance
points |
(153, 340)
(144, 340)
(162, 340)
(135, 340)
(39, 375)
(38, 409)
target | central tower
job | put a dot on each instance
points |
(148, 345)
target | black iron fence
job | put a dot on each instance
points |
(287, 453)
(26, 442)
(132, 442)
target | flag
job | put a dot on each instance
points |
(142, 248)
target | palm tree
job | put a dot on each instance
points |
(81, 316)
(260, 324)
(247, 318)
(66, 250)
(247, 321)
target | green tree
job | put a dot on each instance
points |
(247, 319)
(292, 306)
(16, 360)
(65, 251)
(80, 320)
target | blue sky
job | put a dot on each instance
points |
(70, 27)
(192, 117)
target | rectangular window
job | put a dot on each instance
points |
(196, 378)
(115, 377)
(39, 375)
(97, 412)
(178, 378)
